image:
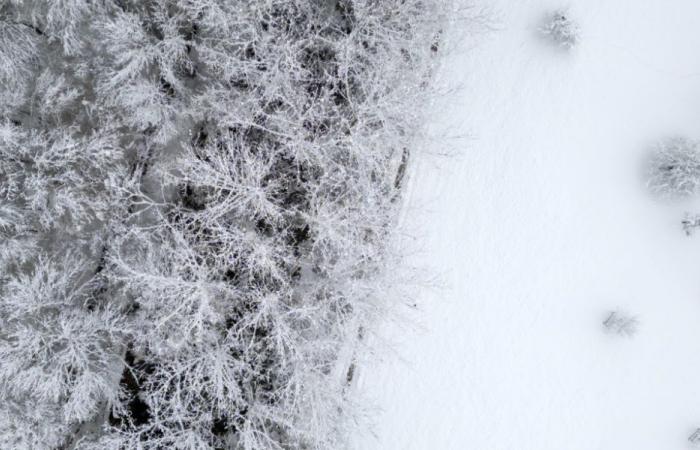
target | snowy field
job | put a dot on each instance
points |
(541, 226)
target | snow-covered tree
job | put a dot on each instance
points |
(60, 349)
(561, 29)
(675, 168)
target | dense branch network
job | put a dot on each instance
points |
(195, 201)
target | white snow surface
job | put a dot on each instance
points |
(538, 228)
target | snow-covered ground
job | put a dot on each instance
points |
(538, 228)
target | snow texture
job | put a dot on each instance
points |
(540, 225)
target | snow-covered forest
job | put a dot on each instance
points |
(197, 204)
(349, 224)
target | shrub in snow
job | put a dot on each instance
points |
(561, 29)
(691, 223)
(695, 438)
(195, 203)
(675, 168)
(621, 323)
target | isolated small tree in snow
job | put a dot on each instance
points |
(621, 323)
(691, 222)
(561, 29)
(675, 168)
(695, 438)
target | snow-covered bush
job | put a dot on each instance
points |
(695, 438)
(621, 323)
(691, 223)
(561, 29)
(195, 203)
(675, 168)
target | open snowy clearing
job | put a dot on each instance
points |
(539, 228)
